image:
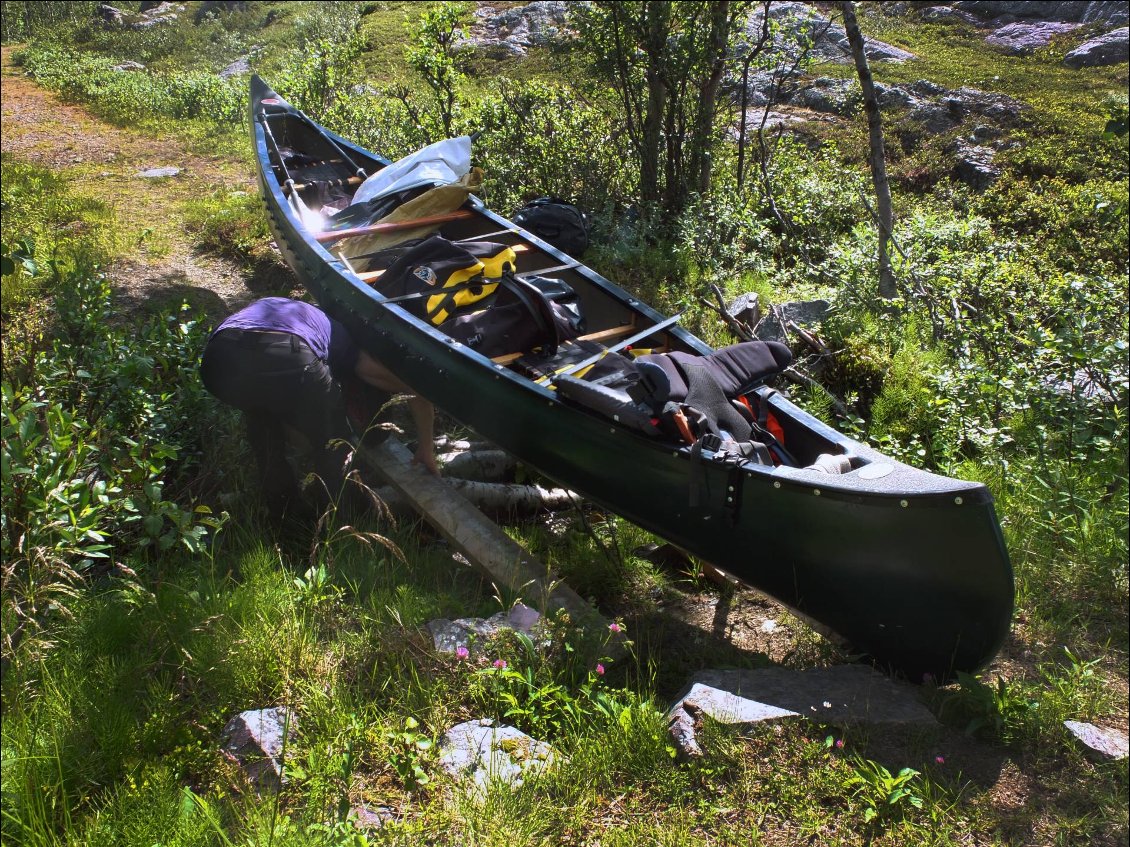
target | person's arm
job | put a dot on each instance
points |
(377, 375)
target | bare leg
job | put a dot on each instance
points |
(423, 413)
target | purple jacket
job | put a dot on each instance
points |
(327, 338)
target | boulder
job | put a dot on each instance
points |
(256, 739)
(1108, 49)
(128, 65)
(483, 754)
(1022, 39)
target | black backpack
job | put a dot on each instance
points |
(554, 220)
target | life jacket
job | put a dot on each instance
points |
(452, 278)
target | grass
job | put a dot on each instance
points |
(111, 723)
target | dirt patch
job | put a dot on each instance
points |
(158, 265)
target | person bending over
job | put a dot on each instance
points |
(281, 362)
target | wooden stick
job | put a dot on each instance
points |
(392, 226)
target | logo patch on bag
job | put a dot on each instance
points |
(425, 274)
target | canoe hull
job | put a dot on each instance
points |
(909, 568)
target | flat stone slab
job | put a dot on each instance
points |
(157, 173)
(847, 694)
(484, 754)
(449, 636)
(1108, 743)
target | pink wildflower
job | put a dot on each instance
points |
(462, 653)
(500, 663)
(615, 627)
(839, 744)
(599, 669)
(941, 760)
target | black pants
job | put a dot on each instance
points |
(278, 382)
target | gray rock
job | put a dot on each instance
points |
(1022, 39)
(1107, 743)
(826, 94)
(847, 694)
(128, 65)
(484, 754)
(256, 739)
(974, 166)
(240, 66)
(1108, 49)
(808, 313)
(1111, 12)
(156, 173)
(448, 636)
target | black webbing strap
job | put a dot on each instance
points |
(761, 428)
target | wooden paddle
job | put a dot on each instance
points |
(392, 226)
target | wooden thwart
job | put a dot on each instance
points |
(372, 276)
(484, 544)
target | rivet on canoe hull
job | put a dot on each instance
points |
(957, 500)
(816, 492)
(775, 484)
(903, 503)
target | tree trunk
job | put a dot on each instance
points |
(656, 25)
(887, 288)
(708, 102)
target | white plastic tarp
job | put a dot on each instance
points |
(441, 163)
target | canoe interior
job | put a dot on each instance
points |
(909, 567)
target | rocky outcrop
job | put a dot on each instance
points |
(1108, 49)
(514, 31)
(1108, 12)
(1021, 39)
(801, 26)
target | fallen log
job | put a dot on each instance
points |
(496, 498)
(480, 465)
